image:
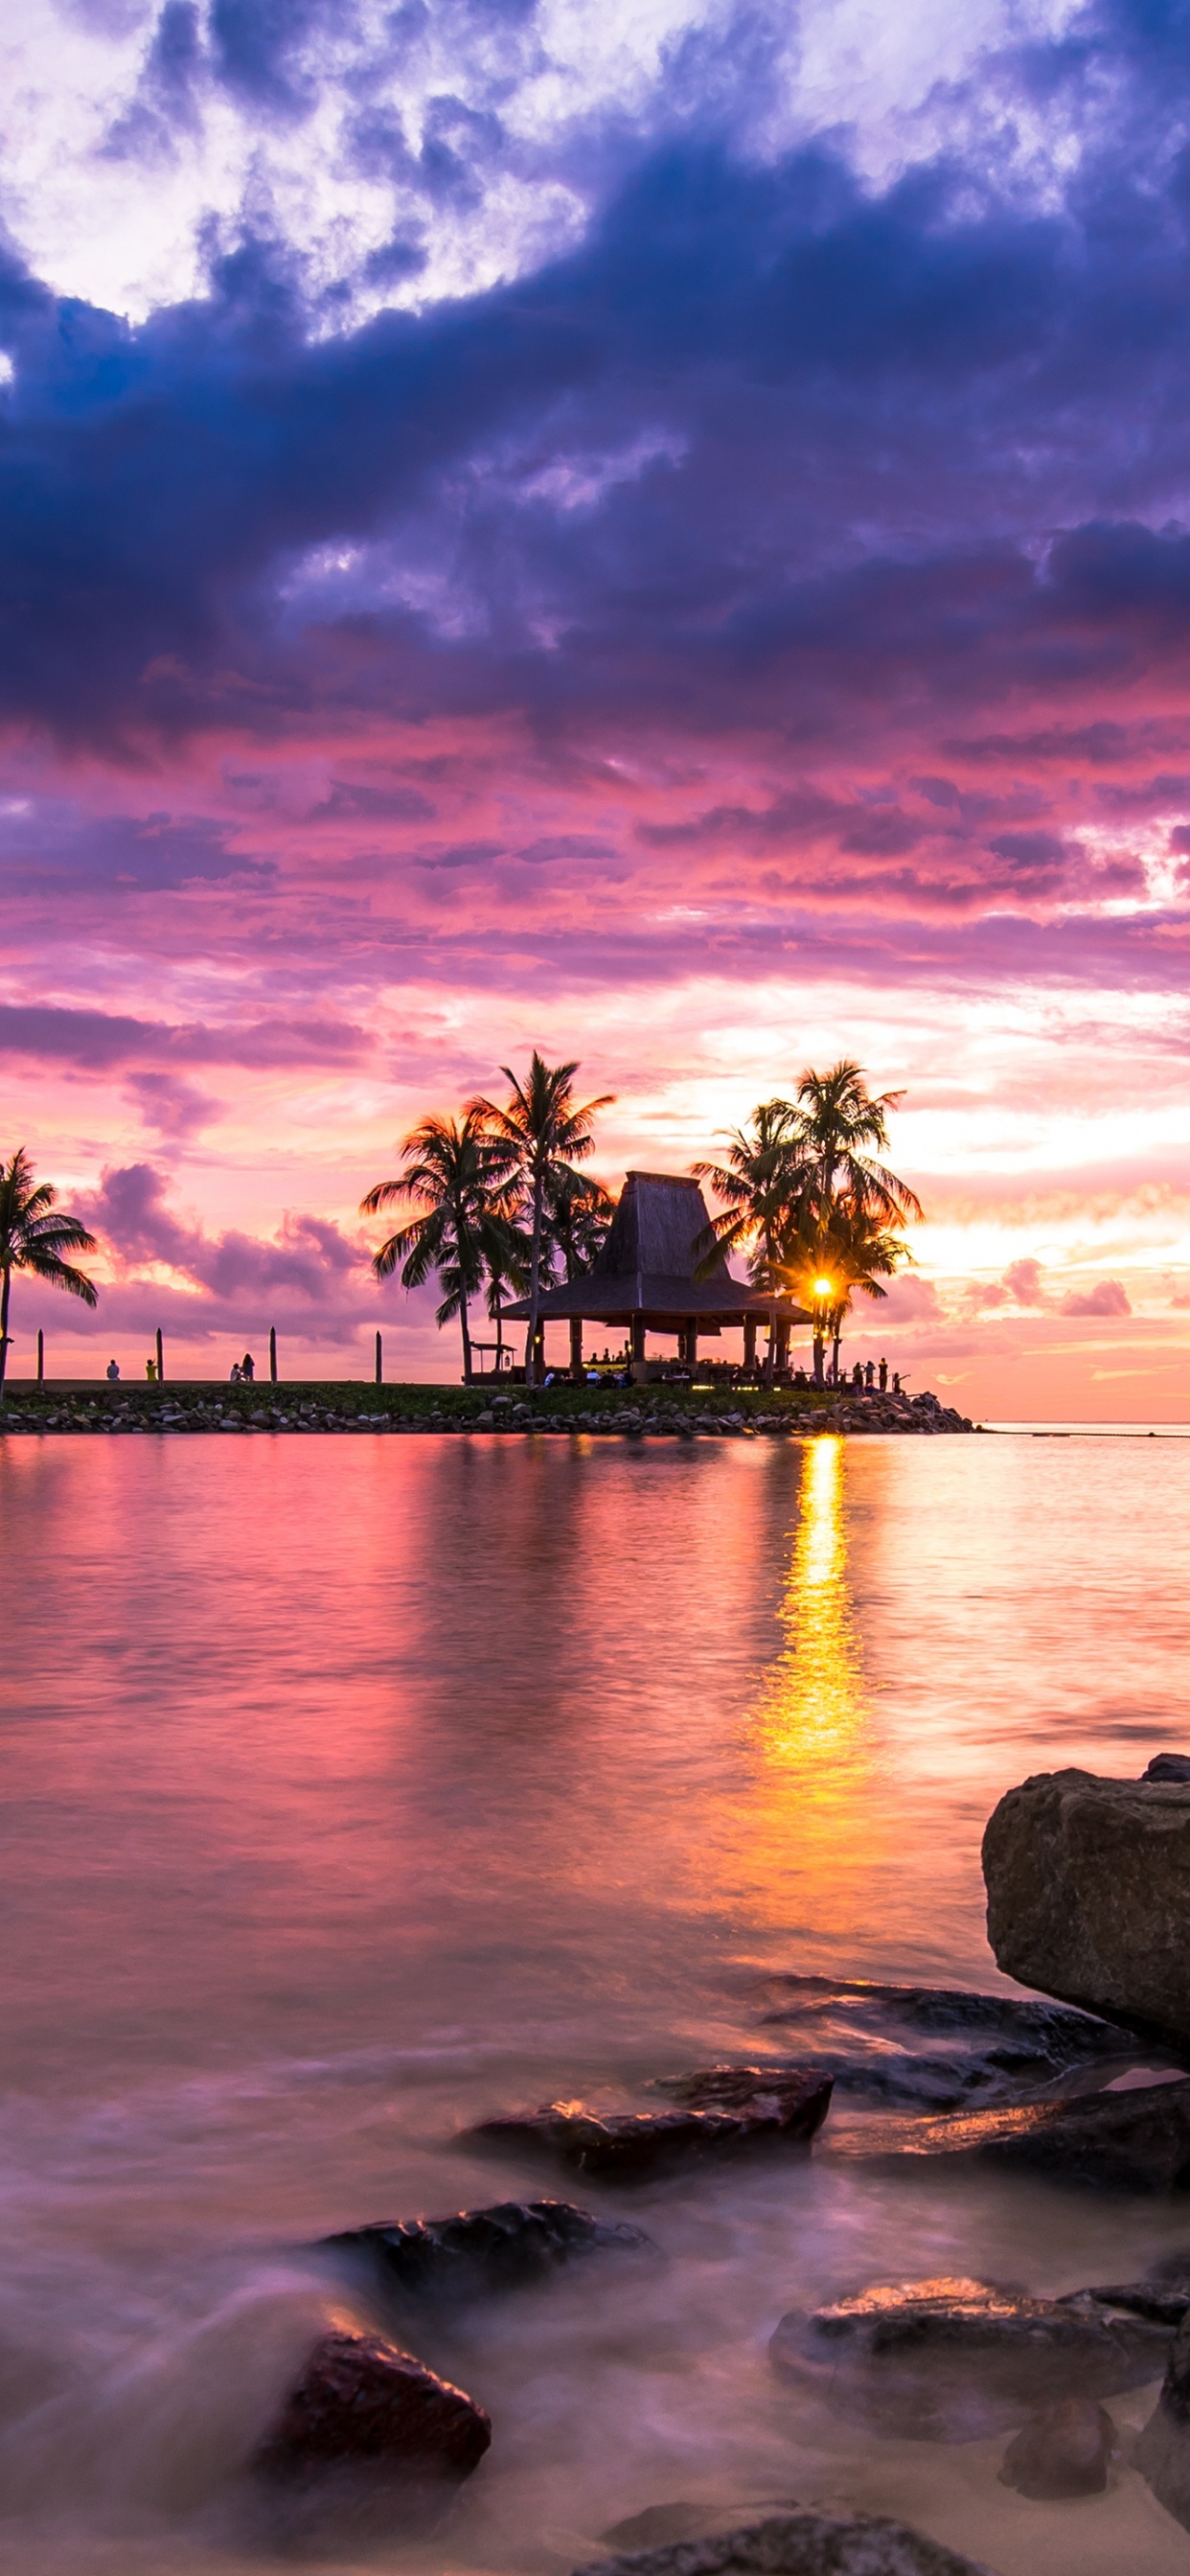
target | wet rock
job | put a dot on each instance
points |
(1163, 2295)
(476, 2251)
(1168, 1766)
(780, 2107)
(658, 2527)
(1137, 2141)
(1162, 2453)
(799, 2543)
(1088, 1886)
(369, 2421)
(952, 2360)
(977, 2047)
(1063, 2450)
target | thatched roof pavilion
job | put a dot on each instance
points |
(644, 1279)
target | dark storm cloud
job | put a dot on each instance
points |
(828, 370)
(307, 1276)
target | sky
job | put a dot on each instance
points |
(660, 533)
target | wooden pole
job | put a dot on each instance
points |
(379, 1361)
(576, 1349)
(272, 1354)
(160, 1358)
(40, 1356)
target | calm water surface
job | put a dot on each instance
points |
(354, 1788)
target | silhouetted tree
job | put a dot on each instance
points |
(34, 1236)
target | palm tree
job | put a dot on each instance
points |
(457, 1176)
(543, 1131)
(763, 1182)
(578, 1214)
(839, 1122)
(851, 1255)
(33, 1237)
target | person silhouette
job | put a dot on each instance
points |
(883, 1375)
(113, 1371)
(234, 1374)
(151, 1371)
(869, 1374)
(247, 1368)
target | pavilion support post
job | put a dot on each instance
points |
(538, 1375)
(576, 1349)
(782, 1346)
(638, 1337)
(770, 1357)
(749, 1341)
(692, 1346)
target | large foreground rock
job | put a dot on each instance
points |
(799, 2544)
(367, 2425)
(473, 2252)
(953, 2360)
(726, 2111)
(1088, 1885)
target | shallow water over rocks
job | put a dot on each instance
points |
(354, 1789)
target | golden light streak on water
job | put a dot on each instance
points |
(814, 1708)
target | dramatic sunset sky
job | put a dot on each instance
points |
(659, 531)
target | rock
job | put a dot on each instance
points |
(1064, 2450)
(1163, 2296)
(1088, 1886)
(1168, 1766)
(978, 2047)
(368, 2440)
(952, 2360)
(1136, 2141)
(480, 2250)
(1163, 2452)
(799, 2543)
(658, 2527)
(769, 2107)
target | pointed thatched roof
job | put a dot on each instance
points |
(647, 1267)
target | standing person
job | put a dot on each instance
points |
(883, 1376)
(113, 1371)
(151, 1371)
(857, 1375)
(870, 1375)
(896, 1382)
(247, 1368)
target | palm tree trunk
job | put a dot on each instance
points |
(5, 1293)
(818, 1355)
(534, 1279)
(498, 1294)
(465, 1328)
(835, 1362)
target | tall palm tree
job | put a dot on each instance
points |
(543, 1130)
(840, 1123)
(763, 1183)
(34, 1236)
(457, 1176)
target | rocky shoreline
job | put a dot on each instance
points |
(570, 1411)
(370, 2437)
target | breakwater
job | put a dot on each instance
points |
(679, 1412)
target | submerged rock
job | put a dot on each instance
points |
(1162, 2453)
(1168, 1766)
(1088, 1886)
(747, 2108)
(370, 2421)
(799, 2543)
(951, 2360)
(1063, 2450)
(978, 2047)
(475, 2251)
